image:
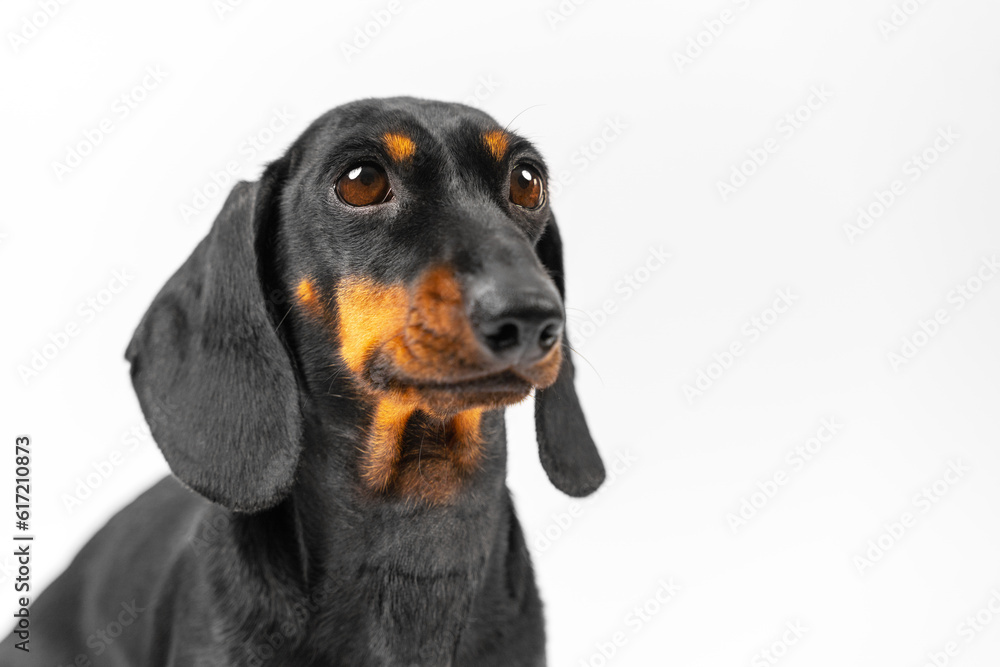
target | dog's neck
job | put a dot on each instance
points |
(414, 584)
(410, 452)
(432, 452)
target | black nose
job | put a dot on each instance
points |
(517, 327)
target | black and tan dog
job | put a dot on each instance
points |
(326, 376)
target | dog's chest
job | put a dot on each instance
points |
(419, 620)
(412, 589)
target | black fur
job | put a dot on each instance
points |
(294, 561)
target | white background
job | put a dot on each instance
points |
(654, 182)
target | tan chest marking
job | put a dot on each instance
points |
(454, 451)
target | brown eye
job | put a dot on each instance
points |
(364, 184)
(526, 187)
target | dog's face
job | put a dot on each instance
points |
(415, 253)
(413, 227)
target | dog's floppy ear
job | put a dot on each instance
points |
(212, 376)
(568, 453)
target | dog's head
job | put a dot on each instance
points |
(415, 245)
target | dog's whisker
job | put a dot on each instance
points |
(420, 453)
(592, 366)
(507, 126)
(336, 375)
(282, 319)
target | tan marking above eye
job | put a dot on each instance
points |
(364, 184)
(496, 142)
(399, 146)
(526, 188)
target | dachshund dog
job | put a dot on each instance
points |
(326, 376)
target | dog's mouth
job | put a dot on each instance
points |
(448, 396)
(504, 382)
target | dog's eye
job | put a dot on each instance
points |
(526, 187)
(364, 184)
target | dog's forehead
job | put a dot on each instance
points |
(404, 128)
